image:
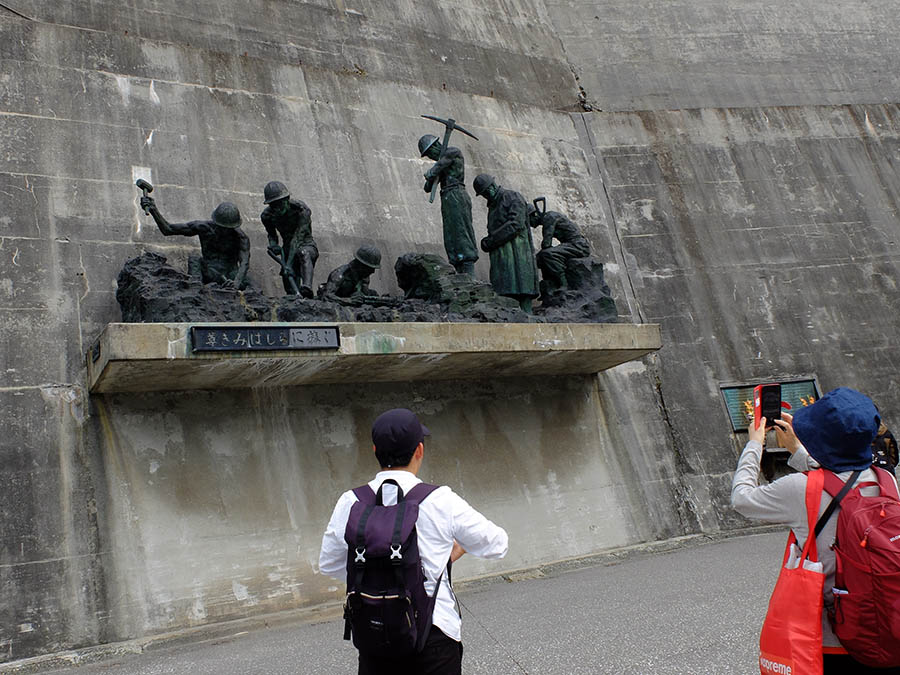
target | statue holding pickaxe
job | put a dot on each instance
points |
(449, 171)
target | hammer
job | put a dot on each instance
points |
(145, 188)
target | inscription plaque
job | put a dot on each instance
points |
(263, 338)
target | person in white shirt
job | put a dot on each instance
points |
(447, 529)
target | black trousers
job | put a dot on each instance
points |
(441, 656)
(843, 664)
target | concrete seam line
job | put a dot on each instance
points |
(583, 130)
(16, 12)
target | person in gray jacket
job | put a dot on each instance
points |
(836, 433)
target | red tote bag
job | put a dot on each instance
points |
(791, 639)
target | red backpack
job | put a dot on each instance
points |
(866, 613)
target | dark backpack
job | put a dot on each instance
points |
(387, 610)
(866, 613)
(884, 451)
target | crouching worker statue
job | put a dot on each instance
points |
(552, 260)
(224, 248)
(394, 540)
(351, 280)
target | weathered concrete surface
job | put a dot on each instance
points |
(209, 101)
(217, 499)
(744, 197)
(159, 357)
(766, 244)
(642, 55)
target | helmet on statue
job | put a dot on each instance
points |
(227, 215)
(426, 142)
(369, 256)
(274, 191)
(482, 182)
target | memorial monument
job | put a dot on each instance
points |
(572, 290)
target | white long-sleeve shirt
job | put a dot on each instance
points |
(444, 517)
(784, 501)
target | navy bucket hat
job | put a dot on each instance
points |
(838, 429)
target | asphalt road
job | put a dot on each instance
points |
(696, 609)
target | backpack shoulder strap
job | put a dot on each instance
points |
(813, 496)
(838, 489)
(365, 494)
(418, 494)
(833, 484)
(886, 483)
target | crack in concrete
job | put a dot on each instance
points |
(686, 510)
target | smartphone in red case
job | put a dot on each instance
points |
(767, 403)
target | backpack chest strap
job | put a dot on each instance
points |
(361, 535)
(368, 501)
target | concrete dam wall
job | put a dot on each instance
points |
(733, 163)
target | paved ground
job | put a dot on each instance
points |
(693, 610)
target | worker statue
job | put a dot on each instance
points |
(449, 171)
(513, 270)
(572, 244)
(352, 279)
(297, 252)
(224, 247)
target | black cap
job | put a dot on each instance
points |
(397, 433)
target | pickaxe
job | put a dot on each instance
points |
(145, 188)
(285, 270)
(450, 124)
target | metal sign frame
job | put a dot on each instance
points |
(256, 338)
(799, 390)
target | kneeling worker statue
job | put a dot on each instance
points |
(224, 248)
(352, 280)
(290, 218)
(513, 271)
(572, 244)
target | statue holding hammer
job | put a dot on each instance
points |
(449, 171)
(224, 248)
